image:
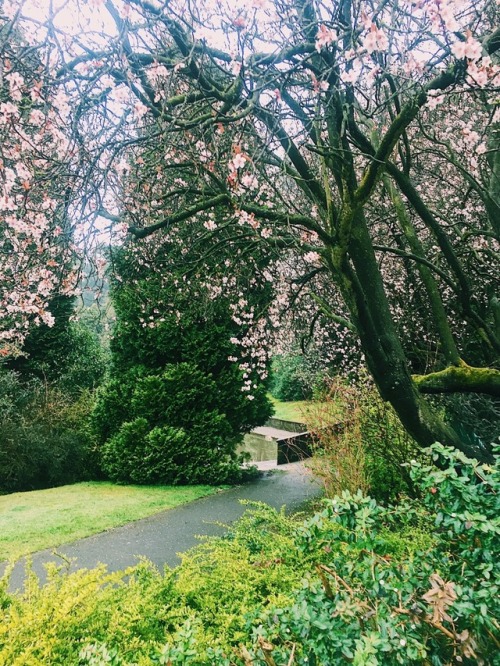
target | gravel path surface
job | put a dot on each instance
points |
(162, 536)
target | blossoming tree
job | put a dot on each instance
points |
(354, 140)
(36, 179)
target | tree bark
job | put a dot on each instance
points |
(384, 354)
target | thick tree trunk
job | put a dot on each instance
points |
(384, 354)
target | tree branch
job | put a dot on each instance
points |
(460, 379)
(206, 204)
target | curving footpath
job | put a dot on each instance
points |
(160, 537)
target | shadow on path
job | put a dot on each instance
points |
(162, 536)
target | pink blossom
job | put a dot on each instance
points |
(324, 37)
(37, 117)
(235, 67)
(156, 72)
(477, 75)
(16, 82)
(8, 111)
(447, 13)
(9, 8)
(434, 98)
(312, 257)
(139, 110)
(61, 103)
(375, 40)
(470, 49)
(238, 162)
(250, 181)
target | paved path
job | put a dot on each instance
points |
(160, 537)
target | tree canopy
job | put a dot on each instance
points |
(354, 143)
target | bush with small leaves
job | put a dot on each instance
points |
(413, 584)
(45, 437)
(439, 605)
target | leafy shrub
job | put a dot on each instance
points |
(173, 432)
(195, 614)
(45, 438)
(68, 620)
(439, 605)
(292, 378)
(411, 584)
(360, 443)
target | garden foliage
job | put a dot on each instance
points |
(360, 443)
(45, 437)
(415, 583)
(292, 378)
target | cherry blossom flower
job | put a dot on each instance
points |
(434, 98)
(470, 49)
(16, 83)
(238, 162)
(139, 110)
(156, 73)
(8, 111)
(235, 67)
(376, 40)
(249, 181)
(447, 14)
(325, 37)
(312, 257)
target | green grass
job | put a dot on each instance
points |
(39, 519)
(304, 411)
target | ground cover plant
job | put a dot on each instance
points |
(31, 521)
(414, 583)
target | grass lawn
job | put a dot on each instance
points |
(305, 411)
(31, 521)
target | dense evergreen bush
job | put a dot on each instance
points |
(178, 373)
(174, 432)
(45, 405)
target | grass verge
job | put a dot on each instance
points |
(304, 411)
(39, 519)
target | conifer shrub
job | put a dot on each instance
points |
(173, 432)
